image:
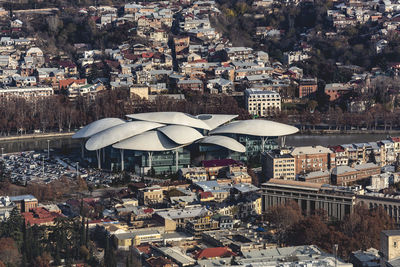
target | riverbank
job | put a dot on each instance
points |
(35, 136)
(301, 132)
(347, 132)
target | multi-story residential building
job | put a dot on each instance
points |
(180, 217)
(313, 158)
(337, 90)
(25, 202)
(89, 90)
(337, 202)
(389, 247)
(239, 53)
(307, 87)
(345, 175)
(199, 225)
(396, 144)
(150, 195)
(195, 174)
(319, 177)
(351, 152)
(388, 154)
(340, 155)
(262, 103)
(294, 56)
(26, 92)
(278, 165)
(191, 84)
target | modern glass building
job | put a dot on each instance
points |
(163, 142)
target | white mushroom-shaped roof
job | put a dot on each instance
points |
(256, 127)
(224, 141)
(215, 120)
(178, 118)
(118, 133)
(97, 126)
(147, 141)
(181, 134)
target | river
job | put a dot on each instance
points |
(39, 144)
(293, 140)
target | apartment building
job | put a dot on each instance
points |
(26, 92)
(278, 165)
(313, 158)
(25, 202)
(340, 155)
(150, 195)
(337, 202)
(345, 175)
(389, 248)
(262, 103)
(307, 87)
(319, 177)
(337, 90)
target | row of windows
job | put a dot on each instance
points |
(283, 165)
(263, 96)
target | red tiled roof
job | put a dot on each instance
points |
(220, 163)
(337, 148)
(218, 252)
(147, 55)
(204, 195)
(149, 210)
(144, 248)
(68, 82)
(39, 216)
(395, 139)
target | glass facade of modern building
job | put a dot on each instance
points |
(164, 162)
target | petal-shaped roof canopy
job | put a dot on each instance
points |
(178, 118)
(97, 126)
(224, 141)
(256, 128)
(118, 133)
(147, 141)
(181, 134)
(215, 120)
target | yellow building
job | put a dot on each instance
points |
(390, 245)
(125, 240)
(278, 165)
(151, 195)
(140, 90)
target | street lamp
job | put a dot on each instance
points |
(335, 248)
(43, 165)
(48, 149)
(77, 169)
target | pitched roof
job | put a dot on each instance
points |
(204, 195)
(67, 82)
(218, 252)
(220, 163)
(40, 216)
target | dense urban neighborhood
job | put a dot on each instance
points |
(177, 115)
